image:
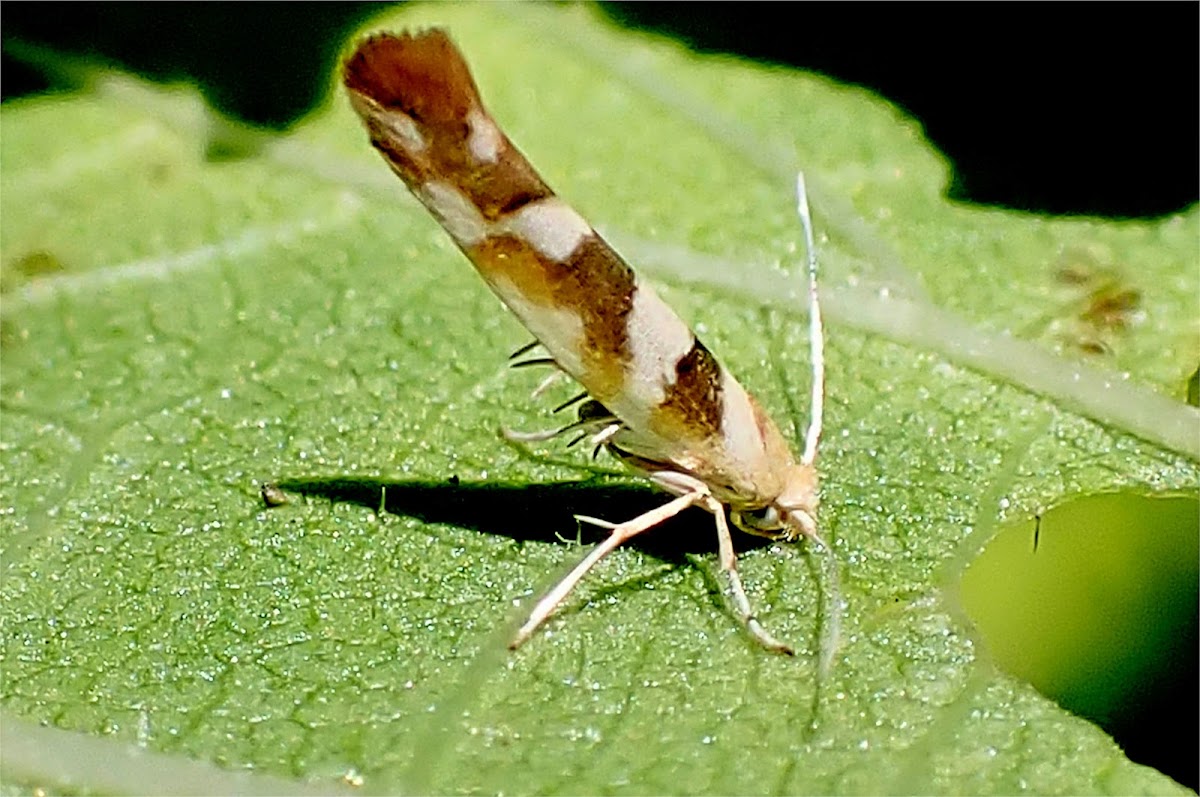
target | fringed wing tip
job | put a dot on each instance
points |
(421, 73)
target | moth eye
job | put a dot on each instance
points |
(763, 519)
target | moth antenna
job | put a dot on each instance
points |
(831, 632)
(816, 329)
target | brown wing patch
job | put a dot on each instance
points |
(693, 402)
(424, 77)
(420, 74)
(594, 284)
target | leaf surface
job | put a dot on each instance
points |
(179, 328)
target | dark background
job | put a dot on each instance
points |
(1056, 109)
(1059, 109)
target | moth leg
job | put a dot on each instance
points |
(589, 427)
(741, 603)
(555, 374)
(550, 381)
(514, 436)
(604, 435)
(621, 533)
(528, 347)
(674, 482)
(594, 420)
(578, 397)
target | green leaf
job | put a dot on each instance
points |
(178, 328)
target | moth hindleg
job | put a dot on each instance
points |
(621, 533)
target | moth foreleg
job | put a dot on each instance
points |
(737, 592)
(621, 533)
(677, 483)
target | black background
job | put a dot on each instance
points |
(1059, 109)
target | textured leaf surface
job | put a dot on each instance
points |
(179, 328)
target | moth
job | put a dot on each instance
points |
(655, 397)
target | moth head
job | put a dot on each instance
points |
(792, 515)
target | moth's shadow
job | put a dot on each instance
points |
(530, 512)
